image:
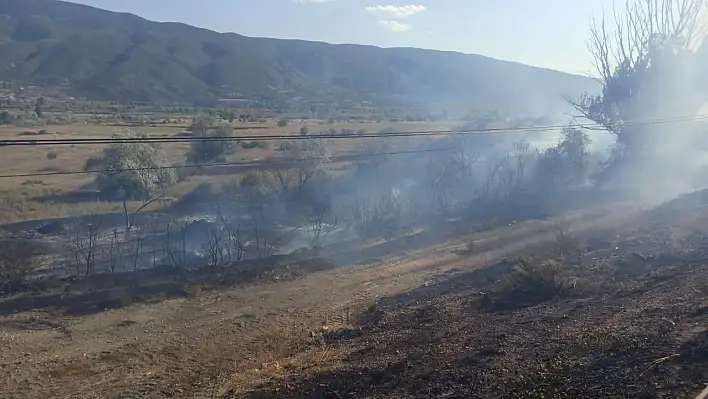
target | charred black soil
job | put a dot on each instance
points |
(625, 318)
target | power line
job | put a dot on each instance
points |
(421, 133)
(241, 163)
(290, 161)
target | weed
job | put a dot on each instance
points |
(247, 145)
(543, 279)
(531, 283)
(16, 263)
(567, 247)
(193, 291)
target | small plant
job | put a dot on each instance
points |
(530, 283)
(213, 145)
(51, 155)
(567, 246)
(282, 122)
(193, 291)
(539, 280)
(16, 263)
(247, 145)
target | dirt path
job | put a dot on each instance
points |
(228, 339)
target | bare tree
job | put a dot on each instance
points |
(466, 153)
(129, 217)
(177, 256)
(321, 223)
(307, 158)
(379, 216)
(224, 242)
(232, 237)
(84, 244)
(113, 252)
(214, 247)
(647, 69)
(442, 174)
(135, 240)
(17, 261)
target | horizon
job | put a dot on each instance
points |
(551, 41)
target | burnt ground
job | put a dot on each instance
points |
(620, 312)
(627, 318)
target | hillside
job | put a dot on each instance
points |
(114, 56)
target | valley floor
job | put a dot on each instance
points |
(439, 321)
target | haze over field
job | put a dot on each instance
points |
(199, 211)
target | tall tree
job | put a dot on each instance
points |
(648, 70)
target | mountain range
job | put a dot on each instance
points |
(104, 55)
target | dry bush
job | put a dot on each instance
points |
(567, 247)
(193, 291)
(247, 145)
(533, 282)
(16, 264)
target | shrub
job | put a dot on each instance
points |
(210, 150)
(282, 122)
(132, 170)
(567, 247)
(538, 281)
(16, 263)
(247, 145)
(52, 155)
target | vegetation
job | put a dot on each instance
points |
(16, 263)
(649, 70)
(614, 305)
(211, 149)
(132, 170)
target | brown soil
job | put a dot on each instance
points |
(431, 322)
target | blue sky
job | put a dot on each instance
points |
(547, 33)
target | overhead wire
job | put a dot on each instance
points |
(253, 163)
(394, 134)
(207, 165)
(256, 163)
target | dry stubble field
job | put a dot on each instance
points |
(31, 198)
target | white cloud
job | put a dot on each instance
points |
(395, 26)
(395, 12)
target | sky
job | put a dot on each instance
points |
(545, 33)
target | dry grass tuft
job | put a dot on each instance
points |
(193, 291)
(544, 279)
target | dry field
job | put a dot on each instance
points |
(30, 198)
(425, 321)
